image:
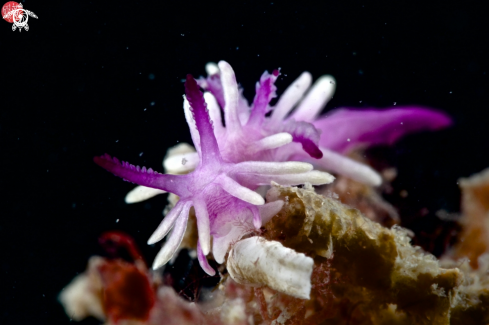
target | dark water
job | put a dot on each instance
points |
(90, 78)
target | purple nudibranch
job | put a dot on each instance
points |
(221, 192)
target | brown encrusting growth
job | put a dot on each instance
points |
(371, 270)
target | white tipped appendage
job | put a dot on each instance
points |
(191, 124)
(272, 168)
(319, 95)
(167, 223)
(179, 149)
(180, 164)
(211, 68)
(314, 177)
(174, 240)
(231, 97)
(342, 165)
(203, 225)
(291, 96)
(242, 193)
(269, 210)
(141, 193)
(215, 114)
(270, 142)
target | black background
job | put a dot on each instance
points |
(79, 84)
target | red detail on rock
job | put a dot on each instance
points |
(111, 240)
(127, 291)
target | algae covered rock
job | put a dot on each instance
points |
(372, 272)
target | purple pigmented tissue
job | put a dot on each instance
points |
(325, 140)
(370, 127)
(260, 144)
(215, 188)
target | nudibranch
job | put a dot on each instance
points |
(292, 129)
(220, 191)
(336, 132)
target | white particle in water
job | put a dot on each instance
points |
(395, 103)
(140, 154)
(348, 139)
(117, 221)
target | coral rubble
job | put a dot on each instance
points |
(362, 273)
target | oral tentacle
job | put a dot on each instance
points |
(141, 176)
